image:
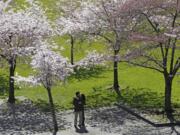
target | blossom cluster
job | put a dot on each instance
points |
(91, 60)
(22, 29)
(49, 67)
(97, 18)
(30, 80)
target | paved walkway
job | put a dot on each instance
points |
(29, 120)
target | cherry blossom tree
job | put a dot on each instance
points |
(50, 68)
(159, 31)
(18, 32)
(105, 19)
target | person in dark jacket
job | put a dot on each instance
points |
(78, 108)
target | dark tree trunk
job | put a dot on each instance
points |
(12, 64)
(168, 91)
(52, 111)
(72, 50)
(116, 82)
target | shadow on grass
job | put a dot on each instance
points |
(88, 73)
(138, 98)
(101, 97)
(145, 99)
(142, 98)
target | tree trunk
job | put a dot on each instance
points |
(116, 82)
(52, 111)
(72, 50)
(168, 90)
(12, 64)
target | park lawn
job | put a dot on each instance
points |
(140, 88)
(19, 4)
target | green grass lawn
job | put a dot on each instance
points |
(140, 88)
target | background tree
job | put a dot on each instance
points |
(19, 32)
(65, 27)
(105, 19)
(159, 30)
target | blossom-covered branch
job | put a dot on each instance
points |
(91, 60)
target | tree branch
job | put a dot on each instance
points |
(172, 56)
(151, 23)
(154, 60)
(144, 66)
(176, 67)
(106, 38)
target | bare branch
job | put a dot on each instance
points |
(176, 67)
(142, 65)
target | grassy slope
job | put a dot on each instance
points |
(141, 87)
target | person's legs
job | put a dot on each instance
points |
(83, 118)
(80, 118)
(75, 118)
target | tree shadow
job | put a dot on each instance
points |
(25, 117)
(172, 119)
(100, 97)
(86, 73)
(118, 120)
(143, 98)
(172, 124)
(151, 103)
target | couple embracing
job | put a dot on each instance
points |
(79, 102)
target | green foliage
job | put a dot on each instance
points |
(142, 98)
(83, 73)
(44, 105)
(101, 97)
(19, 4)
(4, 85)
(51, 8)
